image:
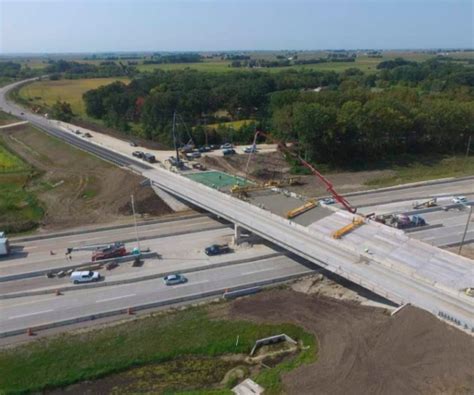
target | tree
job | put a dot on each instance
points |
(62, 111)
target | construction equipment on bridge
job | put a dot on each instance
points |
(94, 247)
(302, 209)
(356, 222)
(329, 187)
(243, 190)
(427, 204)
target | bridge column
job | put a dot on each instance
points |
(237, 234)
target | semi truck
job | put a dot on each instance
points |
(4, 245)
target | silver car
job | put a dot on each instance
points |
(174, 279)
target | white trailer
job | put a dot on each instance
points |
(4, 245)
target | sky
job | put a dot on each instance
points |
(36, 26)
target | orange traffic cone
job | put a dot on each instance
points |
(29, 332)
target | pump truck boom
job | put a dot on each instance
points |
(329, 187)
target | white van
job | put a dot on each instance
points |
(84, 277)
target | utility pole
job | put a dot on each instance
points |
(468, 150)
(175, 139)
(465, 230)
(135, 220)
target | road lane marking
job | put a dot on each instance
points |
(115, 298)
(27, 315)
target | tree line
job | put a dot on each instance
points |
(338, 118)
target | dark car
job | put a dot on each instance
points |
(204, 149)
(149, 158)
(229, 151)
(133, 144)
(214, 146)
(138, 154)
(217, 249)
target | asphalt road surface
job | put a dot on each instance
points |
(33, 311)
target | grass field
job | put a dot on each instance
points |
(19, 208)
(71, 358)
(46, 93)
(428, 169)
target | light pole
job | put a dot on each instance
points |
(135, 220)
(465, 229)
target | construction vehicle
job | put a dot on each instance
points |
(302, 209)
(113, 251)
(329, 187)
(356, 222)
(93, 247)
(400, 221)
(427, 204)
(243, 190)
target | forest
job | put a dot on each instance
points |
(337, 118)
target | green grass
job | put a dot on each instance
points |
(428, 169)
(5, 118)
(232, 124)
(9, 162)
(70, 358)
(45, 93)
(212, 66)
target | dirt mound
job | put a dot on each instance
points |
(362, 350)
(76, 188)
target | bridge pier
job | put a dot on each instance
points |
(237, 235)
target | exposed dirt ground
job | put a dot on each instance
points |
(264, 167)
(363, 350)
(76, 188)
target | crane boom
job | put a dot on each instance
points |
(329, 187)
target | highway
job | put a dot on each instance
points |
(35, 255)
(35, 311)
(390, 278)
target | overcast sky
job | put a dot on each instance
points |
(199, 25)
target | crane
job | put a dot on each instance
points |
(329, 187)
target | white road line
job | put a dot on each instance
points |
(115, 298)
(27, 315)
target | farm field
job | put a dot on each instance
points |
(46, 93)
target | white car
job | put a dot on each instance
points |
(174, 279)
(84, 277)
(459, 200)
(328, 201)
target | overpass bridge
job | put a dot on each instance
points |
(389, 277)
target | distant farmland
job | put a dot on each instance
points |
(46, 93)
